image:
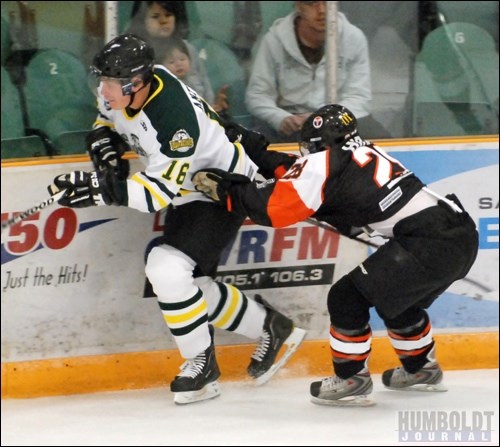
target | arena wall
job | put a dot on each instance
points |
(78, 315)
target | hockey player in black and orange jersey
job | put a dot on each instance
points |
(177, 133)
(354, 185)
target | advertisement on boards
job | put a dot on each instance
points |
(73, 281)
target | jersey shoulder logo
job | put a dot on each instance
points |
(181, 141)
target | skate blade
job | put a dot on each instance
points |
(423, 387)
(292, 342)
(209, 391)
(362, 400)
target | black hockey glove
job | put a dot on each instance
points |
(271, 163)
(106, 148)
(86, 189)
(274, 164)
(215, 183)
(235, 133)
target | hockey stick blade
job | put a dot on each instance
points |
(34, 209)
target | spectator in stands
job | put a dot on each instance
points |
(177, 59)
(288, 79)
(156, 23)
(166, 18)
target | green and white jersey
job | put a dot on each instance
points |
(176, 133)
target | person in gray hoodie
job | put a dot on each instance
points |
(288, 79)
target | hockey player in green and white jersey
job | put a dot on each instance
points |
(145, 107)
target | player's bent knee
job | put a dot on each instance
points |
(170, 272)
(347, 307)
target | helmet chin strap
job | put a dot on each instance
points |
(132, 94)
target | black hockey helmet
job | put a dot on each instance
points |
(326, 127)
(124, 58)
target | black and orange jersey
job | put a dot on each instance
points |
(353, 185)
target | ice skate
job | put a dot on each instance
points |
(351, 392)
(197, 380)
(427, 378)
(278, 331)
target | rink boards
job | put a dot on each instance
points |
(76, 309)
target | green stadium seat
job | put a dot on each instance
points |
(456, 83)
(481, 13)
(71, 142)
(210, 19)
(23, 147)
(6, 40)
(124, 15)
(12, 115)
(215, 20)
(271, 11)
(58, 98)
(14, 142)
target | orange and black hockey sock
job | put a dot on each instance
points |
(350, 350)
(413, 343)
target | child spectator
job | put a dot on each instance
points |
(156, 23)
(177, 59)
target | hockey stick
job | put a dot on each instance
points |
(33, 210)
(329, 227)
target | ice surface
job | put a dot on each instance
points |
(278, 413)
